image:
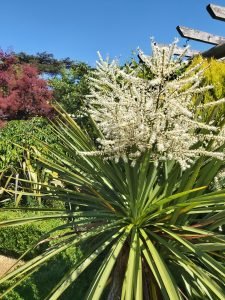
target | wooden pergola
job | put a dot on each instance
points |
(218, 50)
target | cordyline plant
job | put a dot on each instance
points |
(144, 209)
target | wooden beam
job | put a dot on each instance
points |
(180, 50)
(216, 52)
(216, 12)
(201, 36)
(188, 53)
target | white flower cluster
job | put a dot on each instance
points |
(156, 112)
(219, 181)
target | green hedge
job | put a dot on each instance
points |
(39, 285)
(16, 240)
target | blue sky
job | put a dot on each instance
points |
(79, 28)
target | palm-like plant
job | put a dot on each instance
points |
(144, 210)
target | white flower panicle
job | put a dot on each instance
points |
(219, 181)
(157, 113)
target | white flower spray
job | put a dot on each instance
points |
(158, 114)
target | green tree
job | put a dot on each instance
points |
(46, 62)
(71, 88)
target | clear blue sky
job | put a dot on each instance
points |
(79, 28)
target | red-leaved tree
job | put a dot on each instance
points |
(23, 94)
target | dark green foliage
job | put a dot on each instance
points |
(13, 295)
(45, 62)
(79, 288)
(27, 290)
(38, 285)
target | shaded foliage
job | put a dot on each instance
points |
(16, 240)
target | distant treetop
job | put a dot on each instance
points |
(45, 62)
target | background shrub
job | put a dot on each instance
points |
(16, 240)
